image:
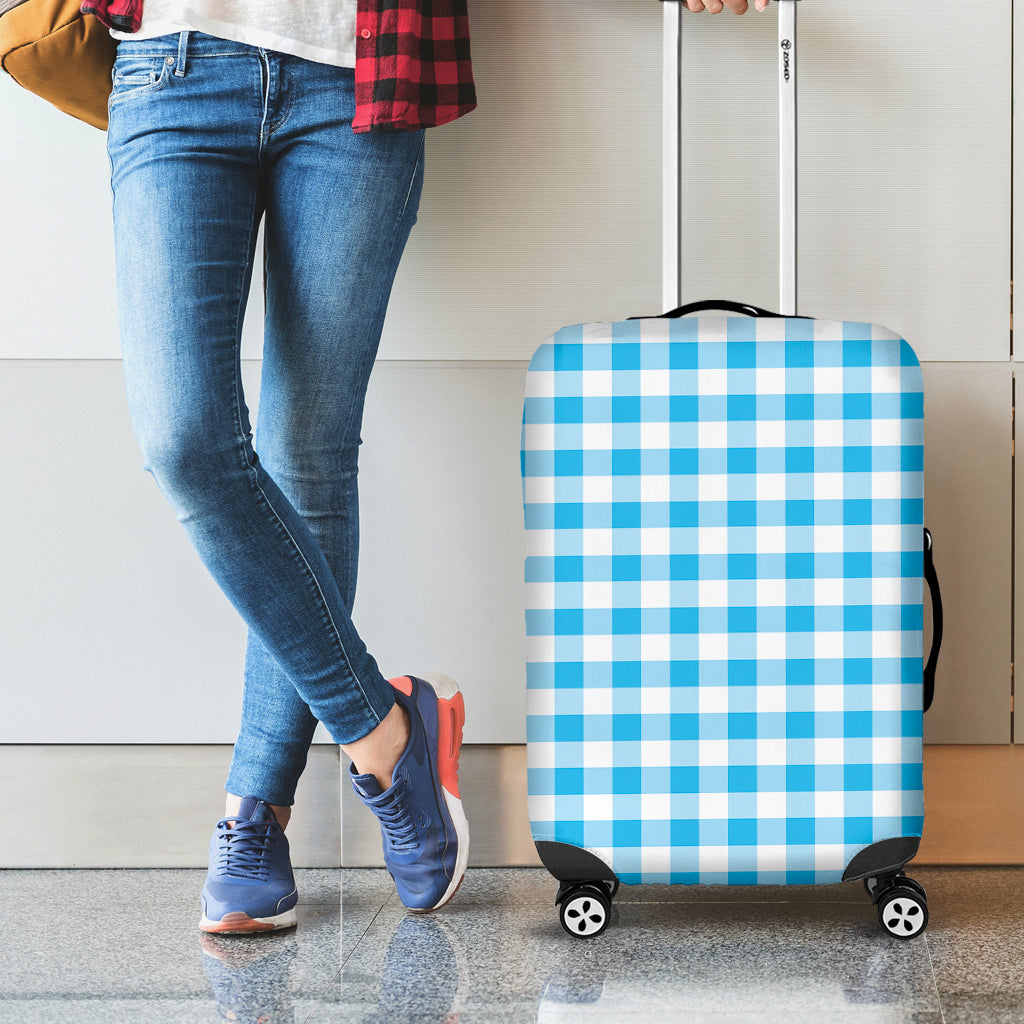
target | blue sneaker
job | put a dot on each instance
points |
(249, 886)
(424, 829)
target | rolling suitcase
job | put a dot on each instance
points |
(725, 599)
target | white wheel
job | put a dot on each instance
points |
(903, 913)
(585, 913)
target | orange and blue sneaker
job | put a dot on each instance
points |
(423, 826)
(249, 886)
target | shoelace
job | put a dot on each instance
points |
(244, 849)
(397, 822)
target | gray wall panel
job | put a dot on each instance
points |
(442, 541)
(967, 506)
(112, 630)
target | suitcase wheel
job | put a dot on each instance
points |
(585, 910)
(903, 908)
(871, 885)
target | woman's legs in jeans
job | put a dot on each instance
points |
(324, 314)
(194, 164)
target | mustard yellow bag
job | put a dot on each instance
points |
(50, 48)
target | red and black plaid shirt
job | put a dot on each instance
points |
(412, 59)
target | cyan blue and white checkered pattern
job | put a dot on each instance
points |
(724, 595)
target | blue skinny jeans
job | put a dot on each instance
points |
(207, 136)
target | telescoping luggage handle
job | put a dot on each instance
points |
(671, 141)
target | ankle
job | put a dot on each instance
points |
(232, 804)
(379, 752)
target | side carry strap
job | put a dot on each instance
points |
(933, 586)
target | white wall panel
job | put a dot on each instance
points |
(544, 205)
(111, 630)
(903, 167)
(1018, 227)
(541, 207)
(57, 256)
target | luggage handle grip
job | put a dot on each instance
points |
(932, 579)
(727, 304)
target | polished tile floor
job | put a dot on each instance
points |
(122, 946)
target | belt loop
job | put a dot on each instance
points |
(182, 46)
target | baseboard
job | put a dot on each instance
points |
(126, 806)
(151, 806)
(974, 808)
(974, 804)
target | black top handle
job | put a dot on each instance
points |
(726, 304)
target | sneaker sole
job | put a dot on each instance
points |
(451, 715)
(240, 923)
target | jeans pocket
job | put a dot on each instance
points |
(133, 75)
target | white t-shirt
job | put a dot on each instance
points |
(320, 30)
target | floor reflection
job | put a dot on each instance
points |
(251, 976)
(420, 974)
(498, 954)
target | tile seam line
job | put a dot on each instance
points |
(362, 936)
(336, 978)
(935, 981)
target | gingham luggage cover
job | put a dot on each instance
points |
(724, 595)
